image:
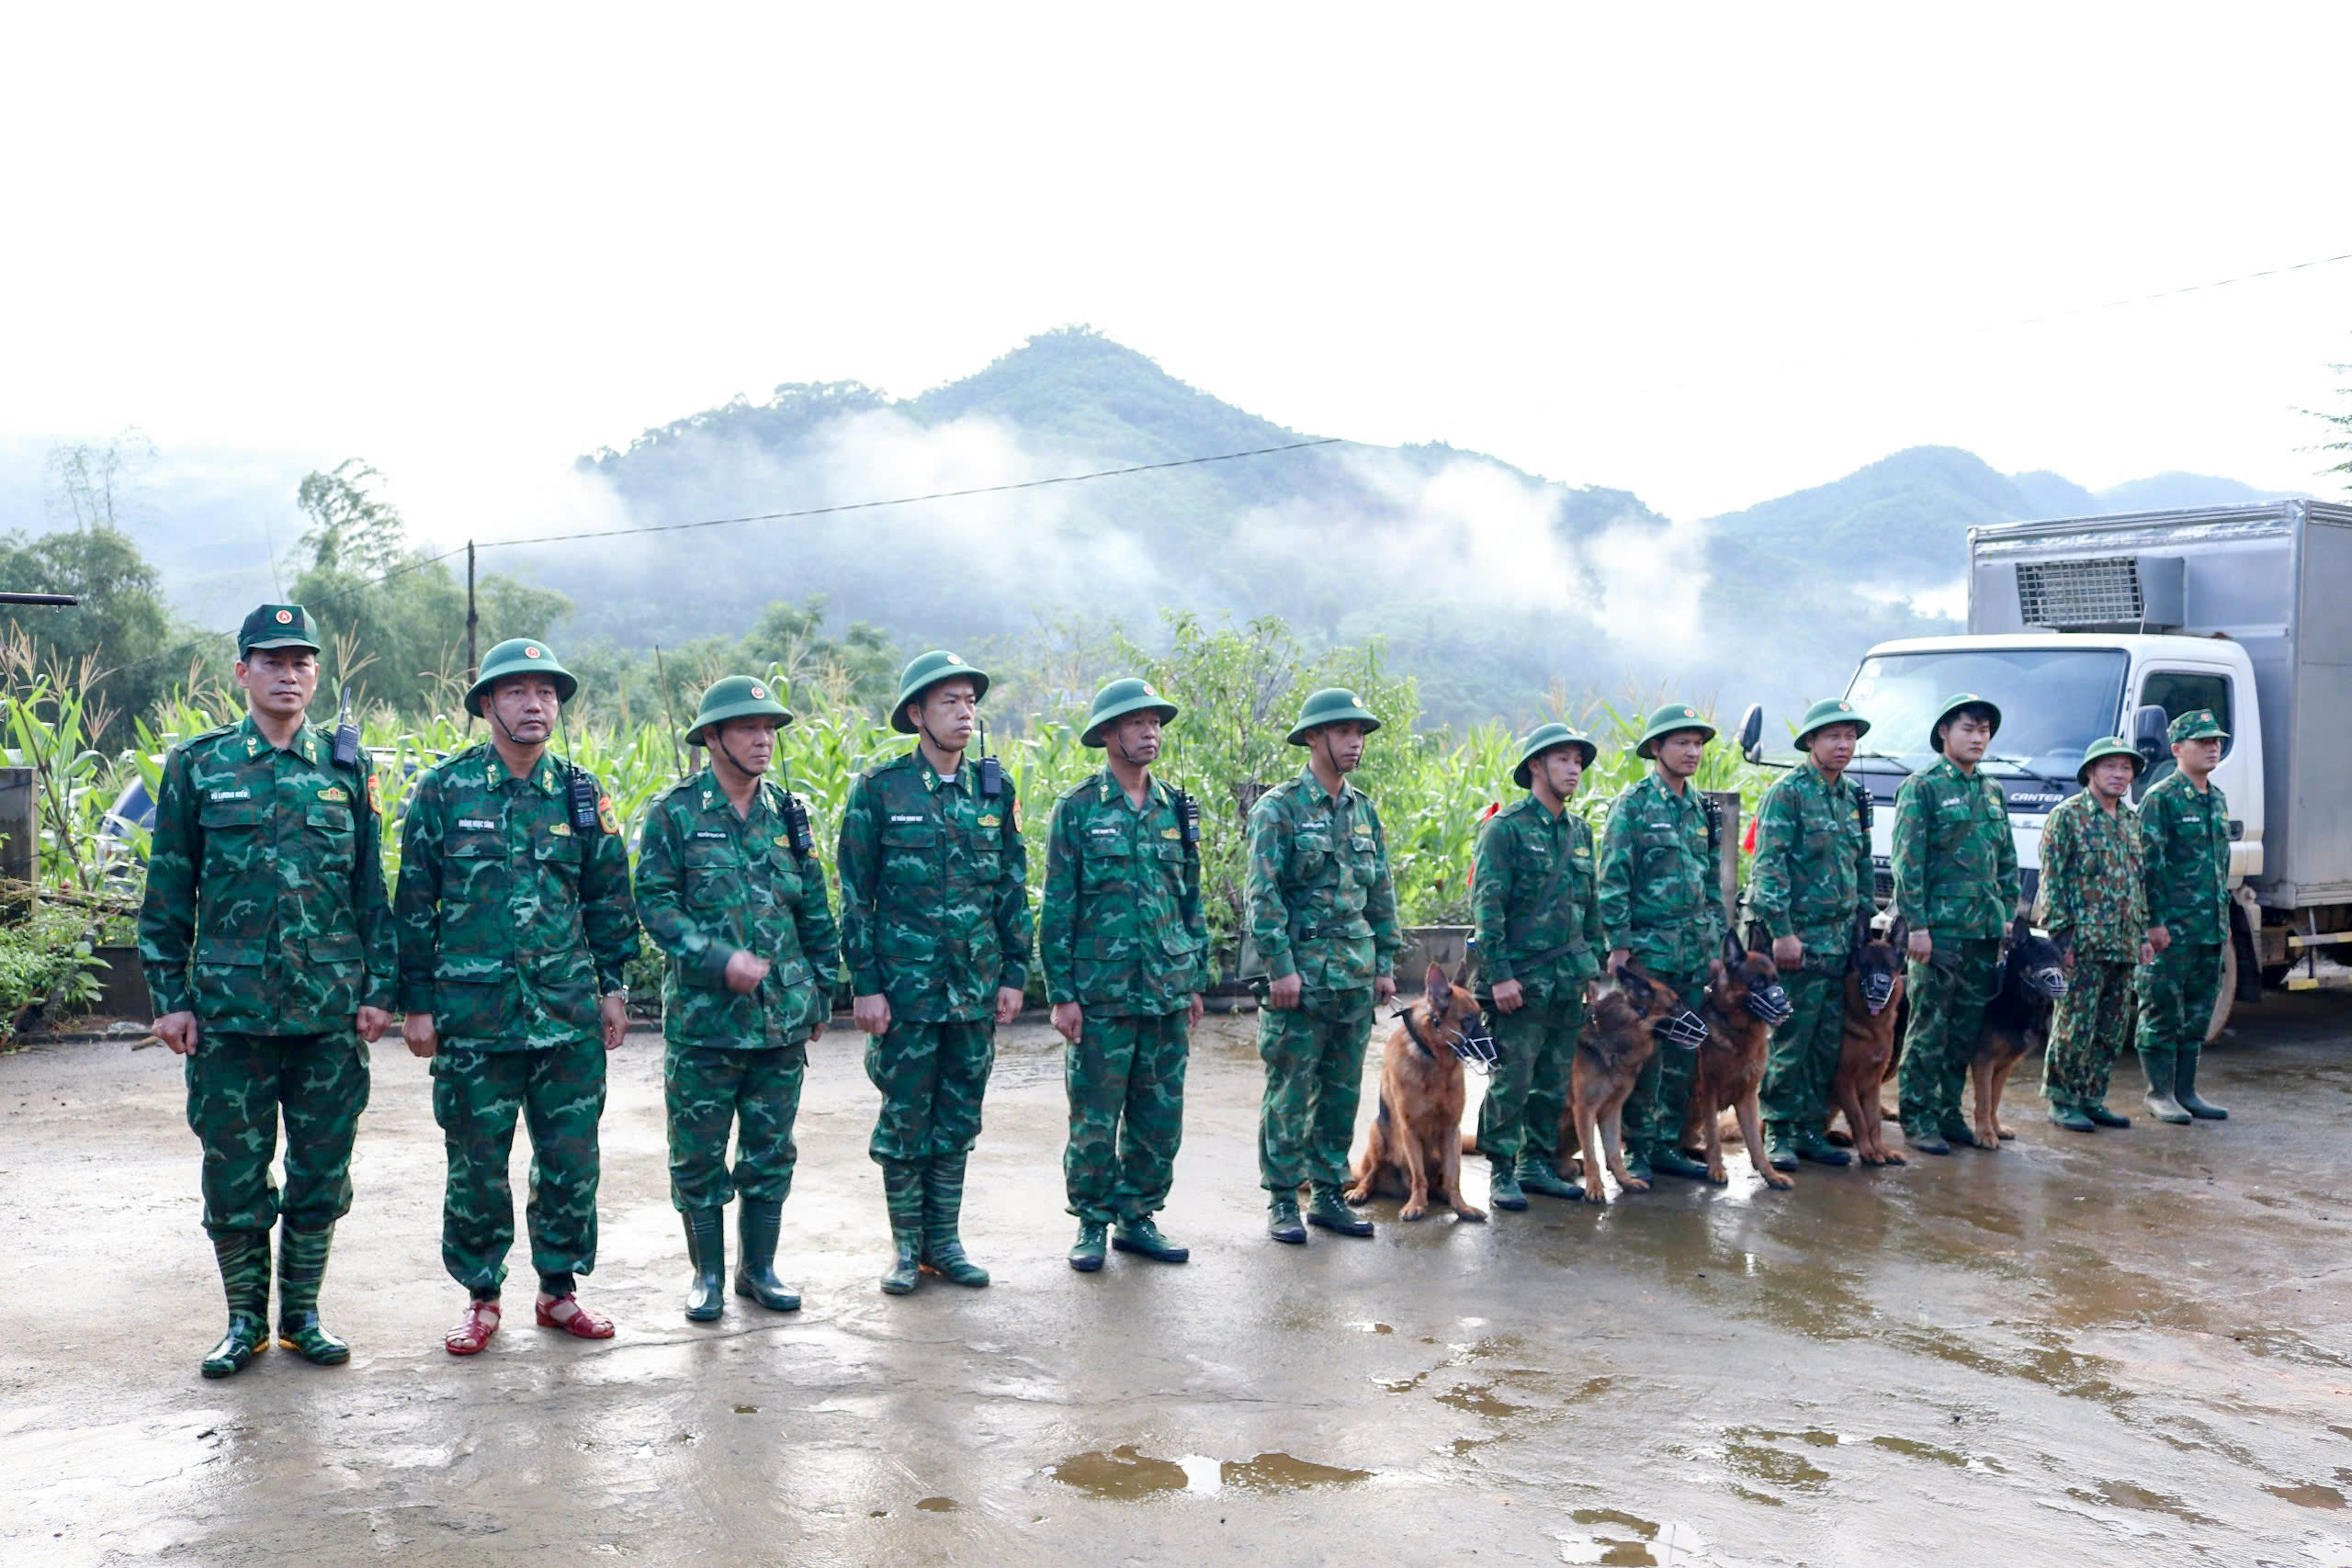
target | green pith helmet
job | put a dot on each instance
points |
(927, 670)
(1542, 739)
(277, 626)
(1332, 705)
(1673, 717)
(1826, 712)
(1120, 698)
(519, 655)
(2104, 748)
(2198, 724)
(737, 696)
(1952, 705)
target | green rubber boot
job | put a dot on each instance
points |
(302, 1268)
(2067, 1111)
(1811, 1145)
(243, 1257)
(1502, 1186)
(1535, 1175)
(1086, 1252)
(2101, 1115)
(943, 1206)
(706, 1254)
(1326, 1208)
(1282, 1219)
(1779, 1145)
(758, 1222)
(902, 1192)
(1954, 1129)
(2184, 1088)
(2158, 1066)
(1142, 1237)
(1668, 1160)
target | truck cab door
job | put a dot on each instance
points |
(2178, 688)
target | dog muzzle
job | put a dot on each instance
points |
(1476, 1048)
(2048, 981)
(1685, 1029)
(1878, 989)
(1770, 1003)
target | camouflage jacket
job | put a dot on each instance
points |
(710, 884)
(1122, 932)
(1659, 896)
(265, 911)
(1321, 905)
(1549, 945)
(2185, 845)
(1955, 862)
(2090, 894)
(511, 924)
(935, 891)
(1812, 872)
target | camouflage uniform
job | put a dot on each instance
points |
(1660, 899)
(2184, 844)
(1955, 878)
(710, 884)
(2092, 902)
(1321, 906)
(1121, 934)
(512, 924)
(265, 916)
(1811, 879)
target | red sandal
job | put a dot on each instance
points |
(473, 1331)
(581, 1324)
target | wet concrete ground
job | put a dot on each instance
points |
(2131, 1348)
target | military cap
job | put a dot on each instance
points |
(519, 655)
(926, 671)
(1952, 705)
(2198, 724)
(2110, 746)
(1120, 698)
(1826, 712)
(277, 626)
(1332, 705)
(1667, 720)
(737, 696)
(1543, 739)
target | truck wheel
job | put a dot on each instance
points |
(2227, 995)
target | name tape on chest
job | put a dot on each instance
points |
(710, 833)
(231, 794)
(478, 824)
(908, 817)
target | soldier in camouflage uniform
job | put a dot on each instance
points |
(1533, 891)
(1322, 918)
(1956, 883)
(515, 932)
(729, 888)
(2093, 906)
(2185, 845)
(1661, 900)
(268, 950)
(935, 935)
(1124, 946)
(1809, 886)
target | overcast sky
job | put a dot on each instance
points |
(1706, 255)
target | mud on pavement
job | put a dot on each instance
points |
(2131, 1348)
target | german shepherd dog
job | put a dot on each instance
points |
(1866, 1055)
(1415, 1148)
(1615, 1044)
(2017, 1021)
(1745, 1001)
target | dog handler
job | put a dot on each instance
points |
(2094, 906)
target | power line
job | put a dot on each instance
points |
(2186, 288)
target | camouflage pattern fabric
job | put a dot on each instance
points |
(1955, 862)
(1314, 1057)
(1551, 947)
(2185, 850)
(1659, 896)
(932, 1077)
(511, 923)
(237, 1086)
(934, 899)
(1527, 1092)
(1125, 1078)
(478, 1092)
(1812, 871)
(1802, 1055)
(264, 910)
(1121, 930)
(709, 1091)
(2177, 995)
(2091, 897)
(2088, 1027)
(1947, 996)
(1654, 1112)
(1322, 904)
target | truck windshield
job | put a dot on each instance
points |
(2054, 701)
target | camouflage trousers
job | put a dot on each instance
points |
(1125, 1078)
(757, 1094)
(1947, 996)
(932, 1077)
(559, 1091)
(238, 1087)
(1527, 1092)
(2177, 995)
(1654, 1112)
(1314, 1057)
(1803, 1057)
(2090, 1025)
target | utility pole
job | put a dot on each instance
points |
(473, 665)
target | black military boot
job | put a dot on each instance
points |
(1502, 1185)
(902, 1191)
(942, 1207)
(1086, 1252)
(1538, 1175)
(1779, 1145)
(1140, 1236)
(243, 1257)
(2067, 1111)
(1666, 1160)
(2184, 1088)
(758, 1222)
(706, 1252)
(1282, 1219)
(302, 1268)
(2096, 1110)
(1326, 1208)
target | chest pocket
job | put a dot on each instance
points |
(1363, 859)
(1310, 857)
(710, 866)
(331, 823)
(557, 854)
(233, 832)
(909, 852)
(1106, 860)
(983, 847)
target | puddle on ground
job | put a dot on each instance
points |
(937, 1504)
(2126, 1495)
(1613, 1538)
(1126, 1473)
(1281, 1473)
(2309, 1495)
(747, 1410)
(1478, 1398)
(1761, 1461)
(1921, 1450)
(1372, 1328)
(1812, 1435)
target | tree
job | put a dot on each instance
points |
(2342, 422)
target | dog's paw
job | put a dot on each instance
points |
(1777, 1179)
(1719, 1176)
(1632, 1184)
(1891, 1157)
(1467, 1212)
(1358, 1194)
(1593, 1194)
(1412, 1211)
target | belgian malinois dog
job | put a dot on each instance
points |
(1866, 1054)
(1615, 1044)
(1415, 1148)
(1745, 1000)
(2017, 1022)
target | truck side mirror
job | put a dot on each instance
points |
(1751, 733)
(2148, 726)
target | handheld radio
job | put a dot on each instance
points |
(795, 825)
(991, 771)
(346, 734)
(1188, 819)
